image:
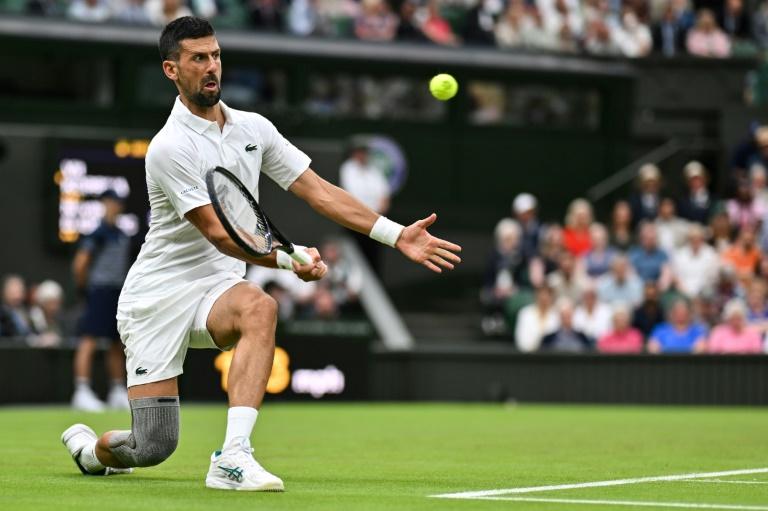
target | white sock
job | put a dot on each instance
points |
(240, 422)
(82, 383)
(88, 459)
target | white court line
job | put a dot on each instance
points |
(726, 481)
(598, 484)
(685, 505)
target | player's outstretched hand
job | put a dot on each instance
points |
(421, 247)
(314, 271)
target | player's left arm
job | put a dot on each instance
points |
(413, 241)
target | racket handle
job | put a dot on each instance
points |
(301, 256)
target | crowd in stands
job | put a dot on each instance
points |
(630, 28)
(664, 274)
(34, 314)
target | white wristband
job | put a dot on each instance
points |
(386, 231)
(284, 260)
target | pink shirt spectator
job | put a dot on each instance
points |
(725, 339)
(708, 44)
(628, 341)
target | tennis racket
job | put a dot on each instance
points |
(244, 220)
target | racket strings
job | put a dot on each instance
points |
(250, 226)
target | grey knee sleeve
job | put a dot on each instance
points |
(154, 432)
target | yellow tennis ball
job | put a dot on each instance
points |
(443, 86)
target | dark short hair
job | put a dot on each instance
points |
(186, 27)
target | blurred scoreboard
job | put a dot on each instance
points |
(83, 169)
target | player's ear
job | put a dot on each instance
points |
(170, 68)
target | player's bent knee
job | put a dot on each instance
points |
(259, 307)
(154, 436)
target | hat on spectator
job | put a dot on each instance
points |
(649, 172)
(523, 202)
(109, 193)
(694, 169)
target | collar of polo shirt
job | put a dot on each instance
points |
(196, 122)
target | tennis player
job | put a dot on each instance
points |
(186, 289)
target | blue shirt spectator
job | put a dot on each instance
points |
(109, 249)
(649, 261)
(679, 334)
(620, 284)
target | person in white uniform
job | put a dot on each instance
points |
(186, 289)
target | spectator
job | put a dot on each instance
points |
(592, 316)
(720, 232)
(162, 12)
(343, 282)
(645, 202)
(726, 287)
(672, 229)
(366, 183)
(524, 209)
(507, 266)
(760, 24)
(734, 20)
(264, 15)
(100, 266)
(409, 28)
(648, 260)
(620, 285)
(302, 17)
(14, 316)
(750, 152)
(735, 335)
(91, 11)
(695, 266)
(622, 338)
(479, 22)
(45, 315)
(601, 38)
(697, 205)
(634, 37)
(576, 236)
(621, 226)
(757, 308)
(706, 39)
(549, 255)
(510, 30)
(650, 313)
(536, 320)
(679, 334)
(598, 260)
(669, 34)
(563, 21)
(758, 181)
(132, 12)
(744, 255)
(743, 210)
(568, 280)
(376, 22)
(566, 338)
(436, 28)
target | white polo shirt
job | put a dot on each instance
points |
(175, 258)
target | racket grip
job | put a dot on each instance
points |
(301, 256)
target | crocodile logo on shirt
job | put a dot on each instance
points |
(251, 147)
(140, 371)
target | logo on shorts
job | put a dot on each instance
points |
(140, 371)
(251, 147)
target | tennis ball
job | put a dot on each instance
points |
(443, 86)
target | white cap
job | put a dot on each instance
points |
(523, 202)
(649, 172)
(694, 169)
(48, 290)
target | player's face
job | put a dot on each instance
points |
(198, 71)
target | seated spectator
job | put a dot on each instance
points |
(757, 308)
(92, 11)
(14, 316)
(507, 267)
(620, 284)
(697, 205)
(536, 320)
(548, 258)
(695, 266)
(510, 29)
(679, 334)
(750, 152)
(672, 229)
(645, 202)
(758, 182)
(576, 236)
(598, 260)
(45, 315)
(744, 255)
(622, 337)
(436, 28)
(566, 338)
(634, 37)
(302, 17)
(735, 20)
(720, 232)
(562, 20)
(132, 12)
(648, 260)
(743, 210)
(568, 280)
(602, 38)
(343, 281)
(706, 39)
(726, 287)
(524, 209)
(376, 21)
(592, 316)
(669, 34)
(735, 335)
(162, 12)
(621, 226)
(409, 28)
(479, 22)
(650, 313)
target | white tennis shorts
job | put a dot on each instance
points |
(157, 333)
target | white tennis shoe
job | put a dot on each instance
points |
(234, 468)
(85, 400)
(79, 436)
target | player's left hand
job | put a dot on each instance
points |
(421, 247)
(314, 271)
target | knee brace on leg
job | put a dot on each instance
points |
(154, 432)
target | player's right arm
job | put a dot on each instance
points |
(80, 267)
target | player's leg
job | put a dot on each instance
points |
(152, 439)
(243, 315)
(84, 398)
